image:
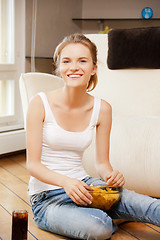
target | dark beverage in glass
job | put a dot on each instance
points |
(19, 225)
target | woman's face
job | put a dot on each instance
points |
(76, 65)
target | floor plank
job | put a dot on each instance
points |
(156, 228)
(122, 235)
(15, 169)
(6, 222)
(14, 184)
(141, 231)
(19, 159)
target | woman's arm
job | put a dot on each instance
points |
(76, 190)
(104, 168)
(35, 118)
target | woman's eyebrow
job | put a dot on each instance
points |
(79, 58)
(83, 58)
(65, 58)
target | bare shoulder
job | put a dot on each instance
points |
(36, 107)
(106, 108)
(36, 102)
(105, 115)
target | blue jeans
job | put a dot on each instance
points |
(55, 212)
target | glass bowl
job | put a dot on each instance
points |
(105, 197)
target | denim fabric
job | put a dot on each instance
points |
(54, 211)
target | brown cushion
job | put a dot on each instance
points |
(134, 48)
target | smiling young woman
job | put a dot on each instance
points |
(60, 127)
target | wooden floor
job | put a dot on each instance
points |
(13, 195)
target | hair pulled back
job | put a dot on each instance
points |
(77, 38)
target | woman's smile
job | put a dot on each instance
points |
(75, 75)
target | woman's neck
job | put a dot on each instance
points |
(74, 97)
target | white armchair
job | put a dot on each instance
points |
(135, 136)
(32, 83)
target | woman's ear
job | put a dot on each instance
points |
(94, 70)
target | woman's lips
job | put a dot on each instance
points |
(74, 75)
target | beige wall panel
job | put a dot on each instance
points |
(54, 21)
(118, 8)
(41, 65)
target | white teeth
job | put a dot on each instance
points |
(74, 75)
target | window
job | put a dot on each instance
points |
(12, 61)
(6, 31)
(6, 97)
(7, 61)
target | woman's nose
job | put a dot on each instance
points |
(74, 66)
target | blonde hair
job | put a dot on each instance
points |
(77, 38)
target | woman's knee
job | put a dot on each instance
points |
(102, 228)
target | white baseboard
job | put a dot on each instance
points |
(12, 141)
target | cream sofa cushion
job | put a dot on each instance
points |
(135, 150)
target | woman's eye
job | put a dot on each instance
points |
(66, 61)
(83, 61)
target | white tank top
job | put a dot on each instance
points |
(62, 151)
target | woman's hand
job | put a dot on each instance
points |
(78, 191)
(115, 179)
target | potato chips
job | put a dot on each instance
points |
(104, 198)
